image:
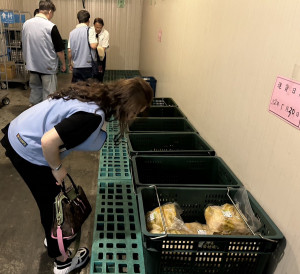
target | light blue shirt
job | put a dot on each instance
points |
(80, 50)
(25, 131)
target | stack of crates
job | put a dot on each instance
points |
(117, 243)
(171, 162)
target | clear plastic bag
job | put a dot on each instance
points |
(172, 219)
(225, 220)
(197, 228)
(242, 202)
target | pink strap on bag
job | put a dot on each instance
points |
(61, 243)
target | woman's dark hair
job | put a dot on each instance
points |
(83, 16)
(121, 100)
(99, 20)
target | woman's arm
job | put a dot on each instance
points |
(50, 145)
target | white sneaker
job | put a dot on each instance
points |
(69, 265)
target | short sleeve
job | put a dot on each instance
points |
(92, 36)
(56, 39)
(105, 40)
(75, 129)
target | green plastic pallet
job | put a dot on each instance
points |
(114, 169)
(111, 149)
(113, 127)
(111, 140)
(117, 244)
(114, 160)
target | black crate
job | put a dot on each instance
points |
(193, 262)
(163, 112)
(168, 143)
(182, 171)
(211, 253)
(161, 125)
(163, 102)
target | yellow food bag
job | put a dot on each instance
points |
(197, 228)
(171, 215)
(225, 220)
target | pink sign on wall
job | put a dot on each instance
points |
(285, 101)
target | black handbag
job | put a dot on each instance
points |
(71, 209)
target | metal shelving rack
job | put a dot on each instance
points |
(11, 22)
(3, 75)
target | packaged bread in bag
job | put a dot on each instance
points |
(197, 228)
(171, 213)
(225, 220)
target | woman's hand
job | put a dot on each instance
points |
(59, 175)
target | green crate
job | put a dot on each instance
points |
(161, 125)
(179, 143)
(221, 253)
(162, 112)
(117, 244)
(163, 102)
(187, 171)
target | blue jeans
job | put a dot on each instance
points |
(41, 86)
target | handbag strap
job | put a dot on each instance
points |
(61, 245)
(58, 208)
(63, 186)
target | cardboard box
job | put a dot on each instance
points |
(10, 70)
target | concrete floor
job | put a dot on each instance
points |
(21, 246)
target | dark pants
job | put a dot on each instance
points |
(81, 74)
(43, 187)
(103, 64)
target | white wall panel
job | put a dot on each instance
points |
(219, 61)
(123, 24)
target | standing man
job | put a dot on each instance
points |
(42, 46)
(82, 49)
(103, 44)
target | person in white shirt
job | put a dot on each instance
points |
(102, 36)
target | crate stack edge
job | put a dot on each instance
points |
(117, 242)
(164, 153)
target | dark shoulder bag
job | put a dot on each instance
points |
(71, 209)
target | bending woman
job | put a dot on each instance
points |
(71, 119)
